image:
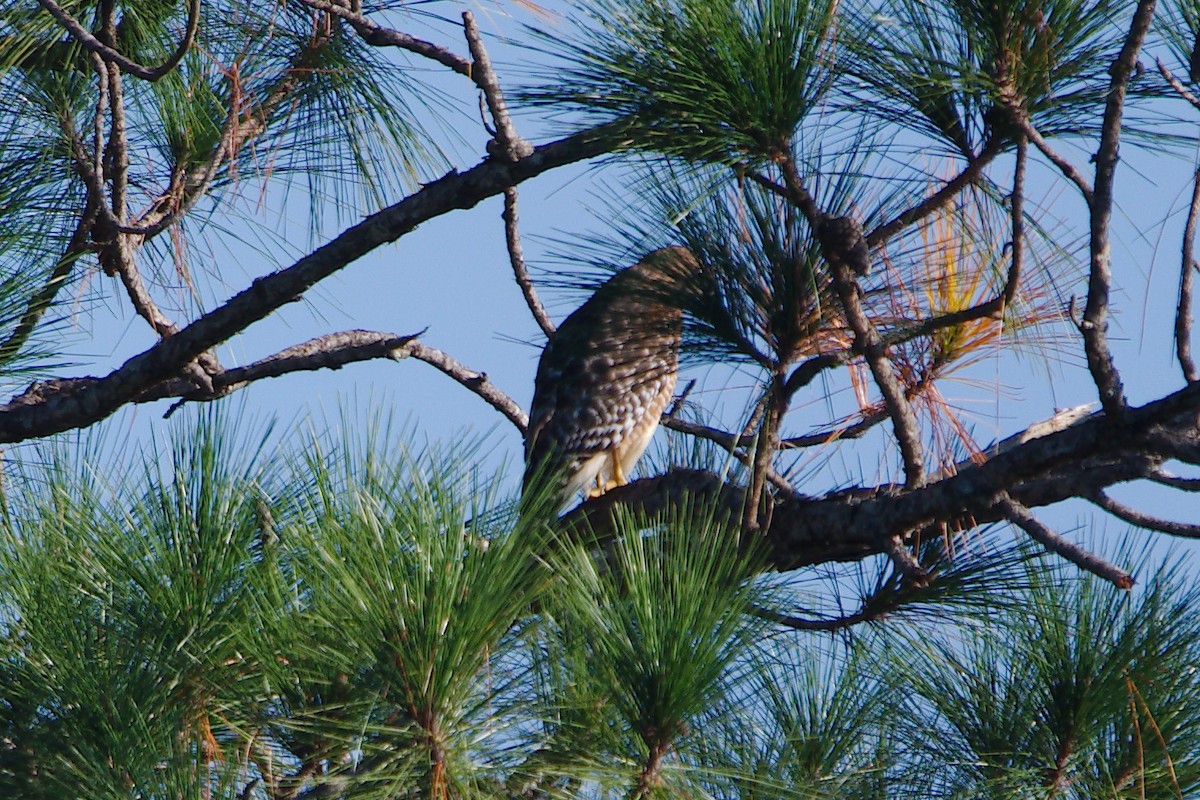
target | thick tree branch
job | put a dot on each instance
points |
(63, 405)
(849, 525)
(115, 57)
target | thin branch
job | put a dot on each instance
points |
(509, 143)
(1174, 481)
(1135, 517)
(827, 624)
(1183, 311)
(1017, 255)
(331, 351)
(807, 372)
(477, 382)
(113, 56)
(378, 36)
(1065, 166)
(869, 345)
(1178, 86)
(516, 257)
(1095, 313)
(949, 190)
(1023, 518)
(853, 431)
(40, 302)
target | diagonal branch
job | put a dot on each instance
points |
(1178, 86)
(1065, 166)
(378, 36)
(73, 403)
(113, 56)
(40, 302)
(1137, 518)
(1021, 517)
(949, 190)
(516, 257)
(477, 382)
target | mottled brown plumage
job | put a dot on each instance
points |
(607, 375)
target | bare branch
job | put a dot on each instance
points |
(113, 56)
(1135, 517)
(1178, 86)
(1183, 310)
(906, 563)
(852, 431)
(1021, 516)
(1068, 169)
(868, 343)
(1095, 313)
(516, 258)
(828, 624)
(378, 36)
(63, 405)
(509, 143)
(1017, 255)
(331, 351)
(1174, 481)
(477, 382)
(939, 199)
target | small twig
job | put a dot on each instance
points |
(807, 372)
(378, 36)
(113, 56)
(516, 257)
(1021, 516)
(509, 143)
(679, 400)
(1135, 517)
(828, 624)
(1183, 311)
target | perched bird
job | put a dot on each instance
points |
(606, 376)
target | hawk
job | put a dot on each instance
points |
(606, 376)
